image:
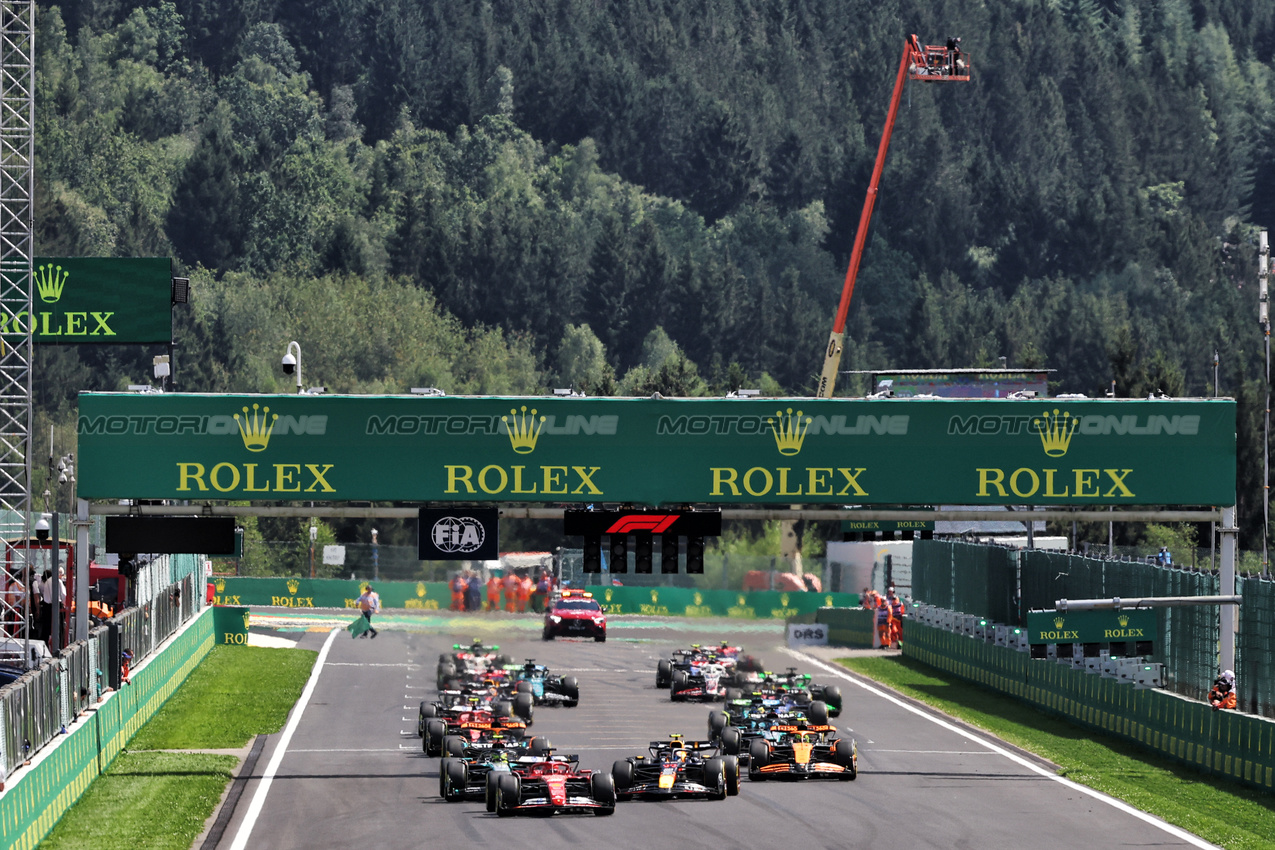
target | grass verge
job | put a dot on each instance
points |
(161, 800)
(1218, 811)
(158, 801)
(237, 693)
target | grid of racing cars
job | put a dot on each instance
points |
(775, 724)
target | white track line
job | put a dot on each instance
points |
(259, 798)
(1182, 834)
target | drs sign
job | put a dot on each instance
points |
(453, 534)
(807, 634)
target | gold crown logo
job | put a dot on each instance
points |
(49, 281)
(221, 585)
(246, 618)
(523, 430)
(293, 584)
(699, 598)
(1058, 622)
(655, 596)
(254, 429)
(608, 594)
(783, 600)
(789, 431)
(1123, 620)
(420, 588)
(827, 601)
(1055, 432)
(742, 600)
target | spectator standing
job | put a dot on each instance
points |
(883, 622)
(541, 595)
(458, 592)
(897, 611)
(493, 592)
(513, 586)
(524, 593)
(473, 592)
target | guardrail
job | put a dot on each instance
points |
(47, 700)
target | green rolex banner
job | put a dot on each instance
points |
(99, 300)
(470, 449)
(1094, 626)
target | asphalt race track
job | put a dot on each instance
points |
(353, 775)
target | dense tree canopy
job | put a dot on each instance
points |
(503, 196)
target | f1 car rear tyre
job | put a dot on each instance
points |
(435, 730)
(731, 765)
(524, 706)
(442, 777)
(818, 713)
(428, 710)
(758, 757)
(716, 723)
(539, 746)
(622, 774)
(731, 739)
(507, 795)
(571, 690)
(663, 673)
(502, 660)
(457, 777)
(603, 787)
(502, 708)
(523, 687)
(733, 694)
(715, 777)
(679, 681)
(454, 746)
(832, 696)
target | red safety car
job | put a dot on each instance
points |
(575, 614)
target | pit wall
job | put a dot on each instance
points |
(433, 596)
(1239, 747)
(35, 797)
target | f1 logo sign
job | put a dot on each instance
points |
(654, 523)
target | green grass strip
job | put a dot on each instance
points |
(237, 693)
(1222, 812)
(159, 801)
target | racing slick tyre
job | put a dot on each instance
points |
(733, 694)
(832, 696)
(435, 730)
(818, 713)
(508, 795)
(502, 660)
(716, 723)
(731, 739)
(454, 746)
(539, 746)
(715, 777)
(844, 753)
(571, 690)
(454, 776)
(663, 674)
(731, 765)
(502, 708)
(523, 687)
(679, 681)
(445, 673)
(622, 774)
(758, 757)
(603, 787)
(524, 706)
(491, 790)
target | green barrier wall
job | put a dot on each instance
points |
(850, 626)
(652, 601)
(686, 602)
(30, 808)
(330, 593)
(1240, 747)
(230, 624)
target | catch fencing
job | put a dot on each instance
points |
(48, 700)
(1002, 585)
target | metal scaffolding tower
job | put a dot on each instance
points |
(17, 214)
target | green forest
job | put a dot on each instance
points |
(622, 198)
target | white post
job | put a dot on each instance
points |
(1226, 616)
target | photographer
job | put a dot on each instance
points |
(1222, 694)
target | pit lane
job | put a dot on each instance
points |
(353, 774)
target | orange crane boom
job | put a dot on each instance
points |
(928, 63)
